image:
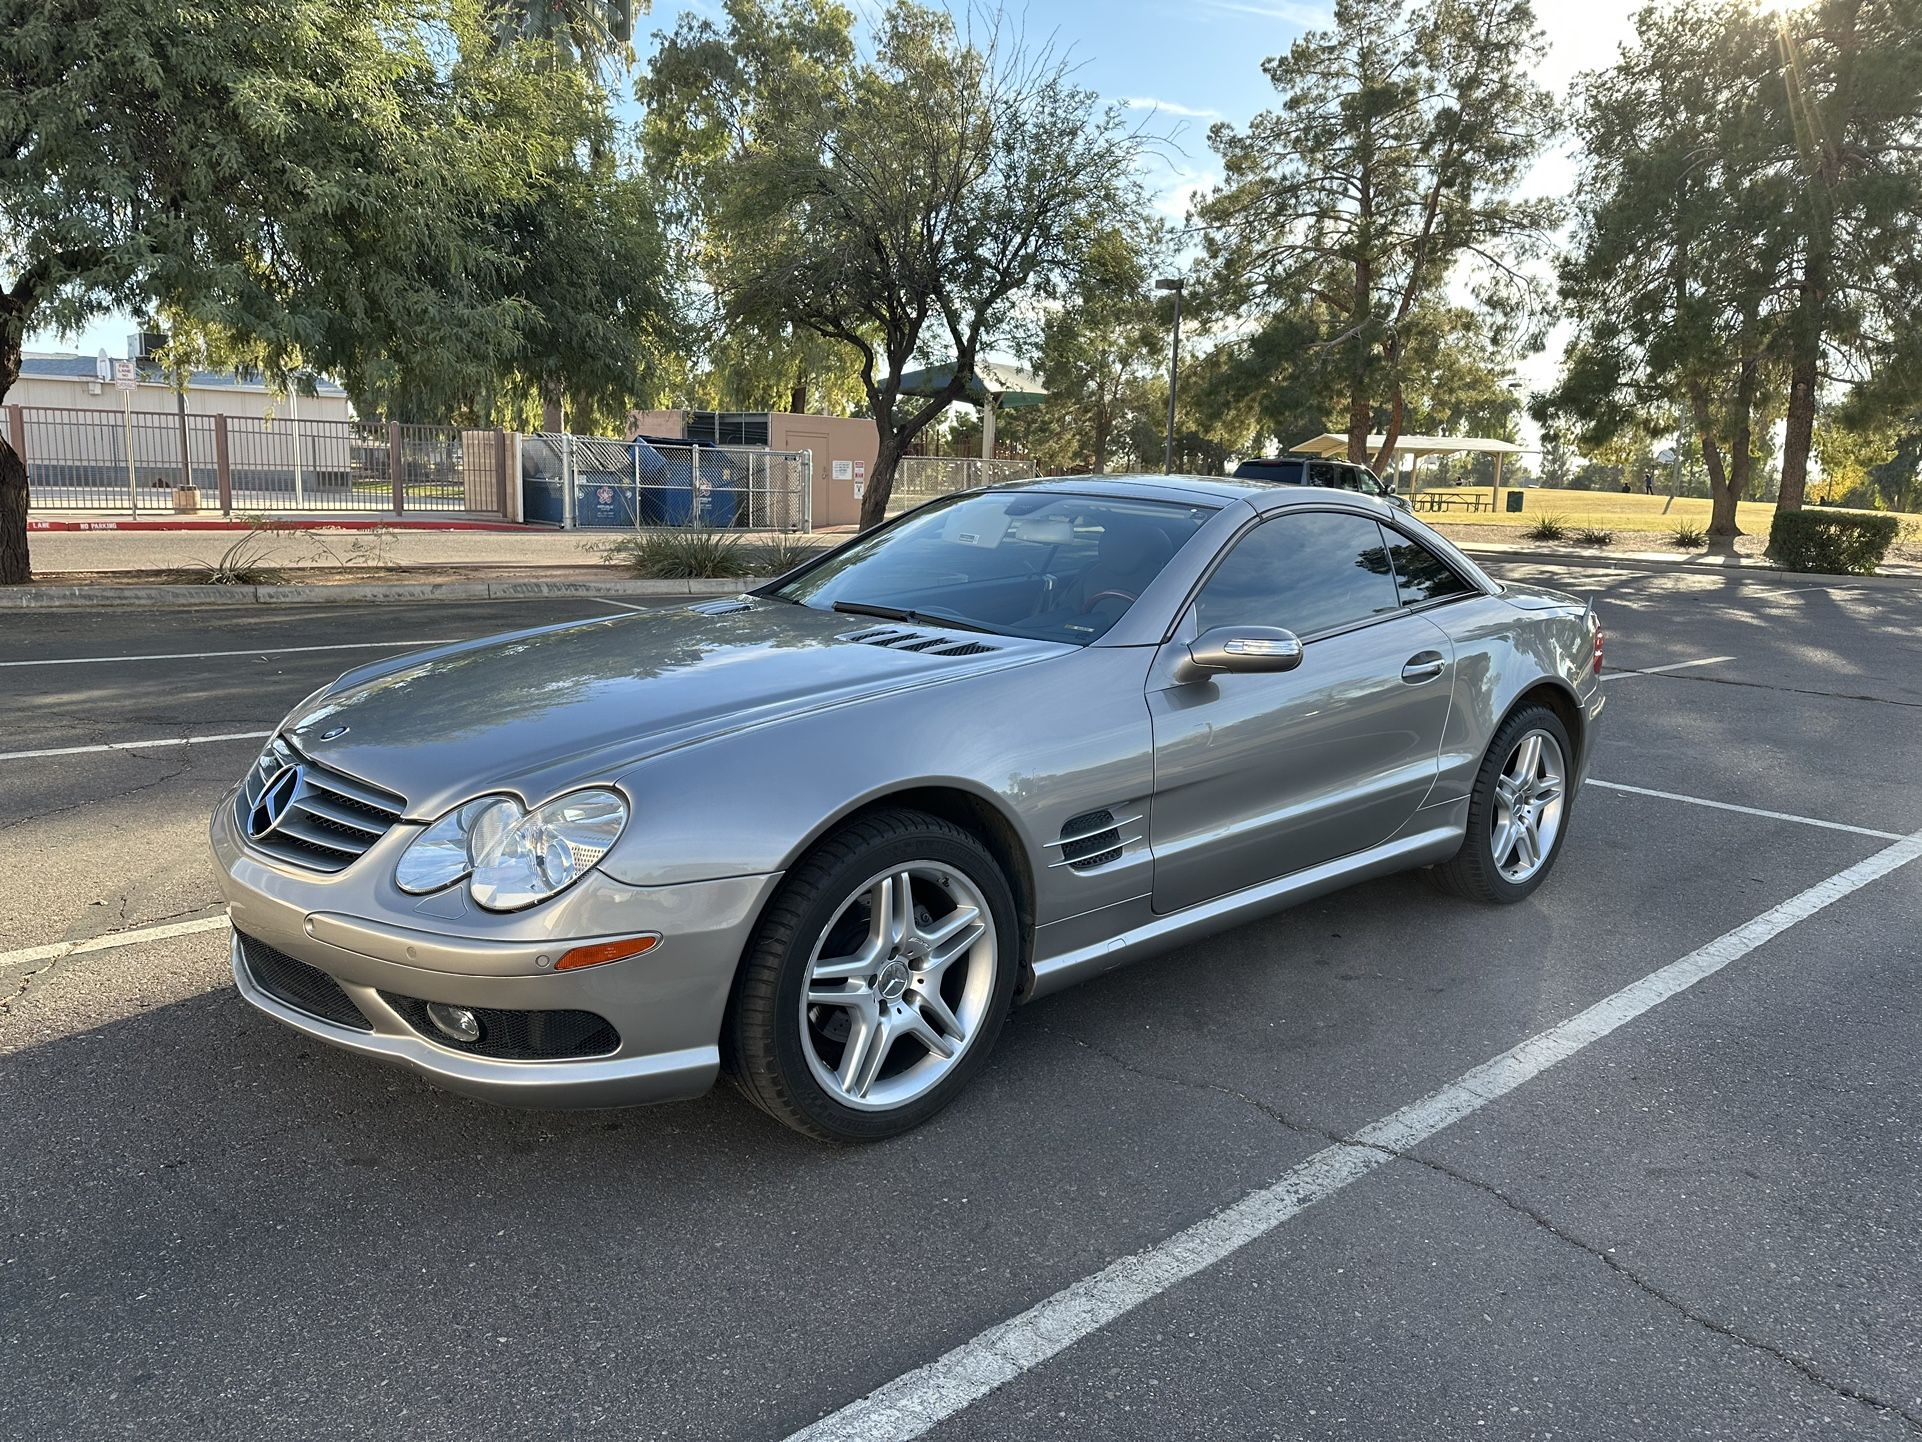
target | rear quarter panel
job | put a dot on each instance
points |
(1502, 649)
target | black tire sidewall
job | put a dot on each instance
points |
(1481, 807)
(830, 890)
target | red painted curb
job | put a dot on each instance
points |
(345, 523)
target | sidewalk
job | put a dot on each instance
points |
(132, 567)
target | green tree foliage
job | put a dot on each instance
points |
(1100, 353)
(911, 199)
(1681, 247)
(1386, 175)
(579, 32)
(712, 93)
(332, 185)
(1850, 92)
(1752, 182)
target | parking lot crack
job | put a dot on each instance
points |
(1293, 1124)
(1808, 1370)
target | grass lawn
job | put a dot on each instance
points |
(1611, 510)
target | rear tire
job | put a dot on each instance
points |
(1518, 812)
(877, 979)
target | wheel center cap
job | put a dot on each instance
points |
(891, 981)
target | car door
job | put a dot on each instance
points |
(1261, 775)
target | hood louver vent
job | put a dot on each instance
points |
(720, 608)
(1095, 838)
(897, 638)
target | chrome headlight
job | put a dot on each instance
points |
(514, 858)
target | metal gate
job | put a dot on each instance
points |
(139, 463)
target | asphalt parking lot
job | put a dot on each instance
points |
(1262, 1187)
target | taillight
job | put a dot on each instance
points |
(1598, 650)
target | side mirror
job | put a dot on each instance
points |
(1239, 649)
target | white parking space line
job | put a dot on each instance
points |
(1748, 810)
(136, 745)
(254, 651)
(1659, 670)
(912, 1404)
(109, 942)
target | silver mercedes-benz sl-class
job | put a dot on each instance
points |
(825, 834)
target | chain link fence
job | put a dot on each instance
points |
(600, 484)
(921, 478)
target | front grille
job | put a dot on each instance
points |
(517, 1035)
(303, 987)
(326, 818)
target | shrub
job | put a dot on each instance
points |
(1836, 542)
(243, 563)
(1548, 528)
(779, 554)
(1594, 536)
(1687, 536)
(686, 555)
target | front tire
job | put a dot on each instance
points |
(1517, 813)
(877, 980)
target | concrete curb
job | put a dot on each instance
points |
(54, 597)
(1691, 565)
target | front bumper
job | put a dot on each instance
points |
(665, 1005)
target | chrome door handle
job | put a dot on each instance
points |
(1424, 666)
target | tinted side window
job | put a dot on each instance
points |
(1421, 574)
(1308, 573)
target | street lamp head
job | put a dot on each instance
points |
(1166, 284)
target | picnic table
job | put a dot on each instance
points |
(1451, 501)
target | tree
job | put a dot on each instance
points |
(1680, 249)
(933, 184)
(1389, 170)
(711, 93)
(1850, 89)
(273, 169)
(1098, 354)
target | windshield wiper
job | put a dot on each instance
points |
(926, 618)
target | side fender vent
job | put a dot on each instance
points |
(1095, 838)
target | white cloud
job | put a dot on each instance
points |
(1169, 107)
(1303, 14)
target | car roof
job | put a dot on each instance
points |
(1190, 490)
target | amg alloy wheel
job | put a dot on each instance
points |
(1517, 813)
(877, 981)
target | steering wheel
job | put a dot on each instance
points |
(1099, 596)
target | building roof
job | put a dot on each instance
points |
(59, 365)
(1329, 443)
(1010, 388)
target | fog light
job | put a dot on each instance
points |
(455, 1021)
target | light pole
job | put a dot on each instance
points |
(1174, 375)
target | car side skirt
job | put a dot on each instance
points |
(1441, 839)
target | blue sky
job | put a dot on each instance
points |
(1191, 62)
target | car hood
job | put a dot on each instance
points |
(539, 711)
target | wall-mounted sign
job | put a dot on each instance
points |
(860, 471)
(844, 470)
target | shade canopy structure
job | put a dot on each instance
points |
(993, 387)
(1418, 448)
(1328, 443)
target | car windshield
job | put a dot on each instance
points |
(1021, 563)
